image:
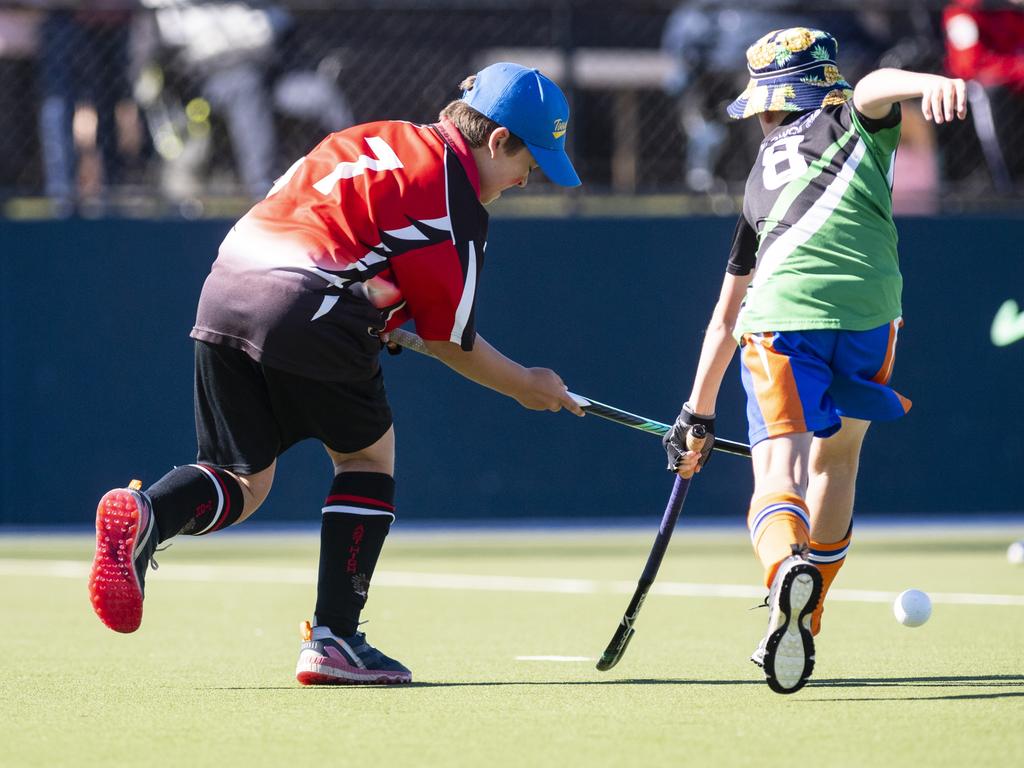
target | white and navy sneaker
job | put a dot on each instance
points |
(126, 538)
(786, 653)
(326, 659)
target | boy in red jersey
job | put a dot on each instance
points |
(379, 224)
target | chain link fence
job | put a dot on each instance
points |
(192, 107)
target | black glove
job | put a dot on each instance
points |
(675, 439)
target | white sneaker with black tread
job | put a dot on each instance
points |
(786, 653)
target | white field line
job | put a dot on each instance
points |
(555, 658)
(78, 569)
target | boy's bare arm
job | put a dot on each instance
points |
(715, 354)
(719, 345)
(942, 98)
(539, 389)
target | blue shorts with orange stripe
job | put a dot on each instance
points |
(804, 381)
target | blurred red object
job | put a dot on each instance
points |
(985, 42)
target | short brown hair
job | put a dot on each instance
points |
(475, 127)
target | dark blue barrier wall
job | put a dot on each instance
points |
(96, 368)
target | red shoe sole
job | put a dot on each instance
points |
(113, 586)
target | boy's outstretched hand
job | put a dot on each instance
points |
(544, 390)
(943, 98)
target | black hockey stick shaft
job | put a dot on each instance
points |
(626, 629)
(411, 341)
(650, 426)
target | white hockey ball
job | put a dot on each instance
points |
(912, 608)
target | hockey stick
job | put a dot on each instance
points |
(694, 441)
(411, 341)
(625, 631)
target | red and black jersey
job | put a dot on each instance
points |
(380, 223)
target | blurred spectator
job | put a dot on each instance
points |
(916, 180)
(307, 88)
(199, 60)
(96, 36)
(193, 58)
(985, 45)
(19, 41)
(709, 39)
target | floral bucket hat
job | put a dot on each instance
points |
(792, 70)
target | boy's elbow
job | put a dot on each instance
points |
(721, 326)
(872, 97)
(442, 349)
(725, 316)
(874, 109)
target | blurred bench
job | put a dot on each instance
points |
(624, 71)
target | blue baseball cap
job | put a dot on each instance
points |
(532, 107)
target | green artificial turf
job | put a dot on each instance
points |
(208, 679)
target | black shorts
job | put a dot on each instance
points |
(248, 414)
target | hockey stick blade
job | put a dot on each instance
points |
(620, 640)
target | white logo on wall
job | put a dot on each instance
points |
(1008, 324)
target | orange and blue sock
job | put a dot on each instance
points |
(829, 558)
(778, 522)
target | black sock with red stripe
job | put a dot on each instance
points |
(195, 499)
(356, 519)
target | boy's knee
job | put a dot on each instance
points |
(836, 466)
(378, 457)
(364, 464)
(255, 488)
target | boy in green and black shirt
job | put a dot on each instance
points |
(812, 295)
